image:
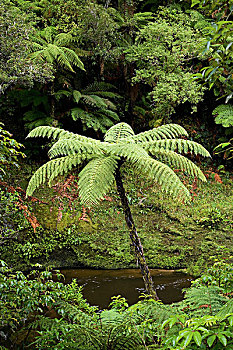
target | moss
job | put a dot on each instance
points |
(174, 235)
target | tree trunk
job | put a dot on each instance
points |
(138, 248)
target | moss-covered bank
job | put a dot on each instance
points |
(174, 235)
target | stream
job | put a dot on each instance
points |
(100, 285)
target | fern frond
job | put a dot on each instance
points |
(94, 101)
(179, 145)
(179, 162)
(99, 86)
(62, 39)
(96, 179)
(164, 176)
(60, 93)
(108, 94)
(118, 133)
(110, 114)
(70, 146)
(110, 104)
(56, 133)
(131, 152)
(167, 131)
(73, 58)
(52, 169)
(77, 95)
(49, 131)
(196, 297)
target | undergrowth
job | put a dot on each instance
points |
(38, 313)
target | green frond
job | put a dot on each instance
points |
(94, 101)
(96, 179)
(77, 95)
(70, 146)
(48, 131)
(79, 113)
(110, 104)
(62, 39)
(60, 93)
(108, 94)
(56, 133)
(164, 176)
(110, 114)
(179, 145)
(52, 169)
(167, 131)
(118, 133)
(131, 152)
(179, 162)
(99, 86)
(72, 57)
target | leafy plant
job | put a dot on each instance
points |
(224, 115)
(104, 160)
(9, 150)
(96, 109)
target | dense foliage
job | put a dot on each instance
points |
(50, 315)
(84, 66)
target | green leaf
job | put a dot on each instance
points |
(222, 339)
(211, 339)
(188, 339)
(197, 338)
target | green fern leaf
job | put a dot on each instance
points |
(179, 145)
(118, 132)
(52, 169)
(164, 176)
(179, 162)
(70, 146)
(168, 131)
(96, 179)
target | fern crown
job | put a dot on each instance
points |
(152, 153)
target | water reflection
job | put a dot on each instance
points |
(100, 285)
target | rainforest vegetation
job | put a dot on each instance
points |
(116, 147)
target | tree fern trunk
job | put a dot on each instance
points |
(138, 248)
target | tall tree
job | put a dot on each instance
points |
(148, 152)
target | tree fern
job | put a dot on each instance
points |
(52, 47)
(102, 161)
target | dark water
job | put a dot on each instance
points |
(100, 285)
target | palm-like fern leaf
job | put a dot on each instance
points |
(96, 179)
(94, 101)
(179, 162)
(70, 146)
(164, 176)
(162, 132)
(119, 132)
(179, 145)
(120, 142)
(56, 133)
(52, 169)
(99, 86)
